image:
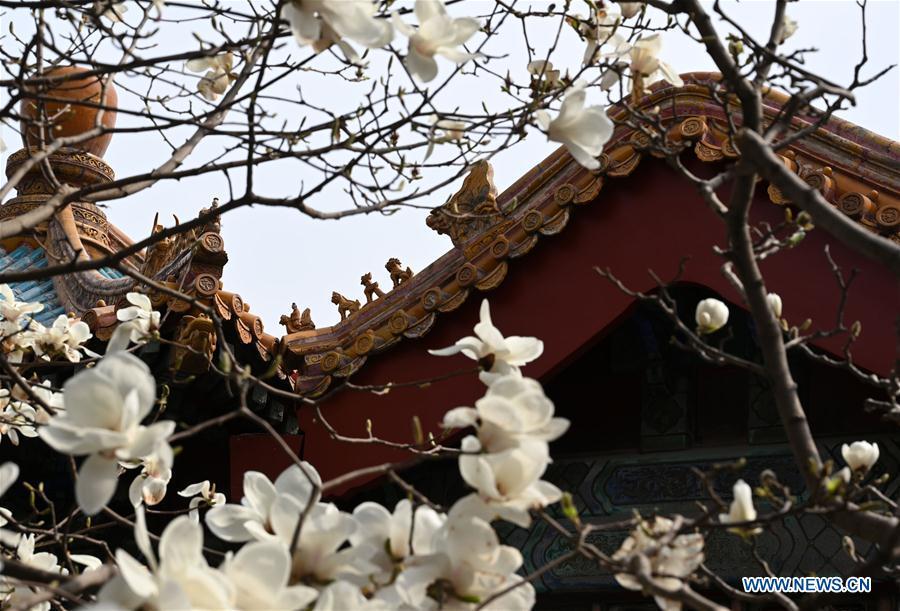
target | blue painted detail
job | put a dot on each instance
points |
(24, 258)
(110, 273)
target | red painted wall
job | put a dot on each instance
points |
(650, 219)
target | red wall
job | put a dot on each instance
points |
(648, 220)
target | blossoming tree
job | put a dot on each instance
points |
(284, 544)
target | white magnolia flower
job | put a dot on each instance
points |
(513, 409)
(437, 34)
(143, 319)
(710, 315)
(47, 396)
(322, 23)
(104, 407)
(466, 558)
(16, 417)
(319, 555)
(451, 130)
(496, 354)
(741, 509)
(669, 563)
(508, 482)
(584, 131)
(774, 300)
(263, 504)
(600, 30)
(14, 593)
(16, 311)
(444, 130)
(63, 338)
(259, 573)
(203, 493)
(114, 11)
(788, 28)
(150, 485)
(388, 536)
(214, 83)
(860, 455)
(181, 579)
(647, 67)
(543, 70)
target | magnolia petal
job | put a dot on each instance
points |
(299, 481)
(135, 494)
(136, 575)
(181, 545)
(9, 473)
(263, 564)
(96, 483)
(259, 492)
(228, 522)
(459, 418)
(422, 66)
(193, 489)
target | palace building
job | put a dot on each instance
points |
(644, 412)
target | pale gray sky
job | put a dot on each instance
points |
(278, 256)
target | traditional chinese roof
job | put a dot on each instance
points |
(856, 170)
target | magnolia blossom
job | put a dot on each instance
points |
(496, 354)
(600, 30)
(111, 10)
(260, 572)
(774, 301)
(15, 312)
(584, 131)
(710, 315)
(104, 406)
(860, 455)
(741, 509)
(388, 536)
(669, 563)
(16, 417)
(322, 23)
(141, 317)
(437, 34)
(507, 483)
(181, 579)
(264, 504)
(788, 28)
(214, 83)
(513, 409)
(543, 70)
(64, 338)
(150, 485)
(13, 592)
(465, 555)
(647, 67)
(202, 493)
(46, 396)
(320, 554)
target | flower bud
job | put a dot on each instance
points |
(860, 455)
(711, 315)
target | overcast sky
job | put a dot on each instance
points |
(277, 256)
